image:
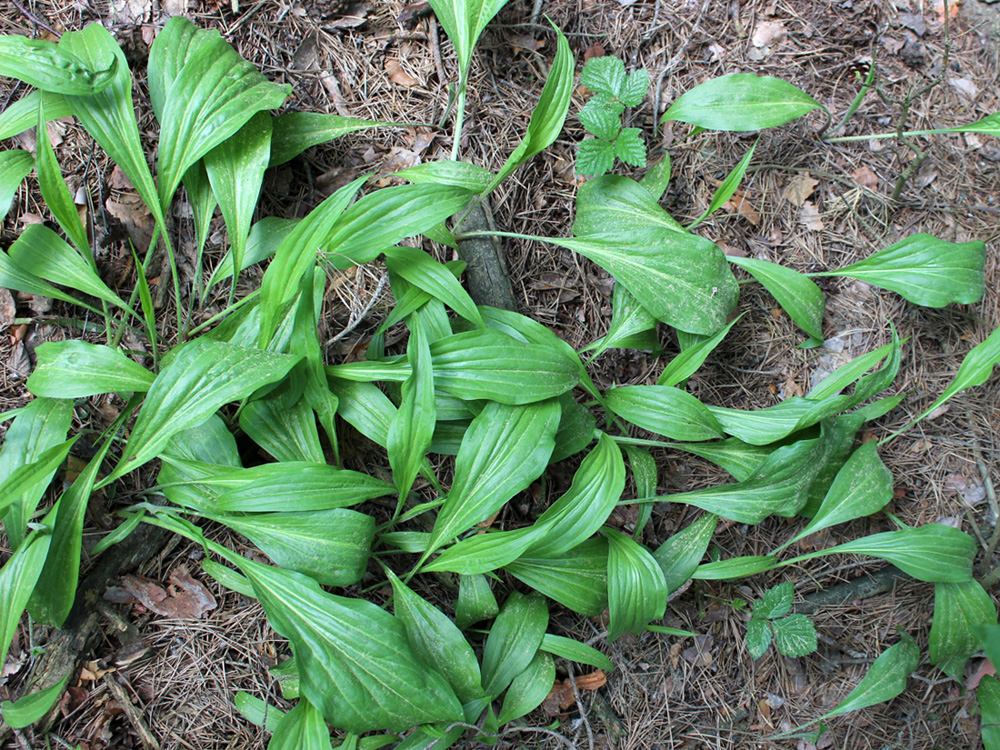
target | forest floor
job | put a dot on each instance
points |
(808, 204)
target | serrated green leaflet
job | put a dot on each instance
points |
(758, 637)
(794, 635)
(75, 369)
(958, 609)
(595, 157)
(741, 102)
(776, 601)
(630, 148)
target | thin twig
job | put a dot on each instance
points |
(34, 19)
(356, 321)
(579, 705)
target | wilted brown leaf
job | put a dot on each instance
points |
(864, 177)
(399, 76)
(184, 598)
(8, 310)
(809, 215)
(799, 188)
(741, 205)
(134, 215)
(561, 698)
(769, 33)
(594, 50)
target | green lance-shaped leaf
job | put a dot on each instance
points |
(637, 589)
(685, 364)
(736, 567)
(925, 270)
(470, 177)
(934, 553)
(214, 94)
(412, 427)
(549, 114)
(177, 41)
(657, 178)
(680, 278)
(265, 237)
(576, 428)
(729, 186)
(646, 477)
(12, 276)
(76, 369)
(577, 579)
(33, 478)
(581, 653)
(52, 602)
(475, 602)
(678, 557)
(529, 688)
(863, 486)
(302, 728)
(364, 407)
(109, 115)
(55, 193)
(733, 455)
(486, 551)
(294, 132)
(30, 708)
(23, 114)
(513, 640)
(427, 274)
(463, 21)
(199, 378)
(959, 608)
(797, 294)
(988, 697)
(597, 486)
(15, 165)
(41, 253)
(287, 431)
(779, 486)
(257, 712)
(664, 410)
(18, 577)
(236, 171)
(45, 66)
(437, 641)
(40, 426)
(355, 664)
(331, 546)
(632, 325)
(885, 679)
(504, 450)
(741, 102)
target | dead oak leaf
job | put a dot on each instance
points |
(799, 188)
(741, 205)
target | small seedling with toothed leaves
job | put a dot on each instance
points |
(614, 90)
(794, 635)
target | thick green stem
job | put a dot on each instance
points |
(459, 117)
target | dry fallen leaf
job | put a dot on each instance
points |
(398, 75)
(134, 215)
(799, 188)
(18, 365)
(561, 698)
(184, 598)
(594, 50)
(769, 33)
(741, 205)
(864, 177)
(8, 310)
(809, 216)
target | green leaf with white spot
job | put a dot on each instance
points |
(794, 635)
(595, 157)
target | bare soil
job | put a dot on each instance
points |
(377, 59)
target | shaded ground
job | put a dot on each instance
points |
(361, 60)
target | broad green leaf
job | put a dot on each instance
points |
(581, 653)
(573, 518)
(229, 578)
(175, 43)
(758, 637)
(302, 728)
(630, 148)
(486, 551)
(257, 712)
(18, 577)
(794, 635)
(646, 476)
(236, 170)
(797, 294)
(595, 157)
(355, 664)
(425, 273)
(958, 609)
(549, 114)
(576, 428)
(685, 364)
(52, 602)
(75, 369)
(934, 553)
(779, 486)
(120, 534)
(475, 601)
(664, 410)
(23, 114)
(732, 454)
(331, 546)
(12, 276)
(513, 640)
(412, 427)
(736, 567)
(487, 364)
(42, 253)
(437, 641)
(463, 21)
(264, 240)
(679, 556)
(55, 193)
(988, 697)
(199, 378)
(42, 424)
(287, 431)
(28, 709)
(885, 679)
(925, 270)
(529, 688)
(294, 132)
(31, 479)
(577, 579)
(460, 174)
(741, 102)
(41, 64)
(729, 186)
(863, 486)
(841, 431)
(15, 165)
(680, 278)
(211, 442)
(364, 407)
(109, 115)
(213, 95)
(505, 449)
(776, 601)
(632, 326)
(657, 178)
(637, 588)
